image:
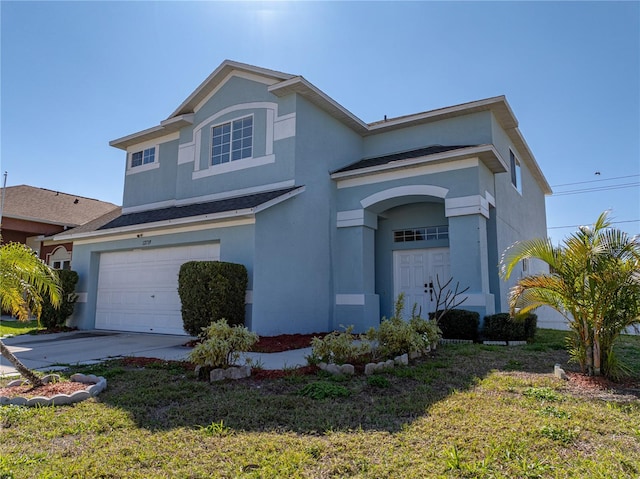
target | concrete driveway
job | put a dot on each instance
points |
(46, 351)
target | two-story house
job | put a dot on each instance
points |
(332, 217)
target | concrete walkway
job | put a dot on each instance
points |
(48, 352)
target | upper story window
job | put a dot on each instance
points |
(232, 141)
(516, 179)
(143, 157)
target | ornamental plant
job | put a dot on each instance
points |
(338, 347)
(222, 345)
(594, 282)
(396, 336)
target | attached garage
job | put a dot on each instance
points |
(138, 289)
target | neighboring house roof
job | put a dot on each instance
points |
(405, 155)
(282, 84)
(53, 207)
(246, 205)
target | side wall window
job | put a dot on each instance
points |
(516, 178)
(143, 157)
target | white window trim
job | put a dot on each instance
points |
(144, 167)
(230, 122)
(277, 128)
(234, 166)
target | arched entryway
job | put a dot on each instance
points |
(411, 246)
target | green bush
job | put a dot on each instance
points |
(210, 291)
(459, 324)
(222, 345)
(396, 336)
(338, 348)
(56, 317)
(502, 327)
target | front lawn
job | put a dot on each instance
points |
(17, 327)
(466, 411)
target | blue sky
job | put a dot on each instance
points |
(75, 75)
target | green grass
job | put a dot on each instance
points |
(17, 327)
(464, 412)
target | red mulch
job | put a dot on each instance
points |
(284, 342)
(46, 390)
(276, 344)
(601, 388)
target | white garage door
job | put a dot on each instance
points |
(138, 290)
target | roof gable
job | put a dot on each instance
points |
(219, 76)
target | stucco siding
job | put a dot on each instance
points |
(472, 129)
(520, 215)
(153, 185)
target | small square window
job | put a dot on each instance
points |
(143, 157)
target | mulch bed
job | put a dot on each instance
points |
(46, 390)
(284, 342)
(276, 344)
(598, 387)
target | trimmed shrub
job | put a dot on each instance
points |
(222, 345)
(502, 327)
(210, 291)
(459, 324)
(338, 348)
(396, 336)
(51, 317)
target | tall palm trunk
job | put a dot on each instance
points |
(21, 368)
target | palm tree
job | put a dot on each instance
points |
(594, 282)
(24, 280)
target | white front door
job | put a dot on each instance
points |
(415, 273)
(138, 289)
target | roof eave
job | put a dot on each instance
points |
(166, 127)
(316, 96)
(190, 220)
(39, 220)
(487, 154)
(137, 228)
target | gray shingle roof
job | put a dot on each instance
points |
(405, 155)
(199, 209)
(55, 207)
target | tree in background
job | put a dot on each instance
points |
(594, 282)
(25, 280)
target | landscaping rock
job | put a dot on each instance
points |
(323, 366)
(51, 378)
(388, 364)
(234, 372)
(560, 373)
(217, 375)
(348, 369)
(333, 369)
(370, 368)
(402, 360)
(239, 372)
(415, 354)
